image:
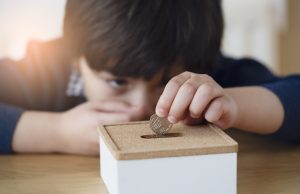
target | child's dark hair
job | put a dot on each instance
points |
(138, 38)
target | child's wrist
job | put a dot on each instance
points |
(58, 133)
(36, 132)
(51, 124)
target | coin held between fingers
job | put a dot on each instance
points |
(160, 125)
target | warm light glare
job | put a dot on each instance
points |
(25, 20)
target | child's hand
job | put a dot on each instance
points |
(78, 126)
(73, 131)
(192, 97)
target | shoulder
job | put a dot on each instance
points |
(38, 81)
(53, 51)
(241, 72)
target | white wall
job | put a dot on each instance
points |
(22, 20)
(253, 28)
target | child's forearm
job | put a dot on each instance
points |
(259, 110)
(37, 132)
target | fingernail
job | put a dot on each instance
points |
(194, 116)
(172, 119)
(161, 112)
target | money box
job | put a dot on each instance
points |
(189, 159)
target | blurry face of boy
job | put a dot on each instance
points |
(103, 86)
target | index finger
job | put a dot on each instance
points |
(166, 99)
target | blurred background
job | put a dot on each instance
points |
(267, 30)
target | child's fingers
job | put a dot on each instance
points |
(182, 100)
(192, 121)
(220, 113)
(119, 117)
(165, 101)
(215, 110)
(112, 118)
(110, 106)
(203, 96)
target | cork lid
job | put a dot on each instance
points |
(136, 140)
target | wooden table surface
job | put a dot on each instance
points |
(264, 166)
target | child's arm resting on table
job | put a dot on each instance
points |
(36, 131)
(270, 108)
(73, 131)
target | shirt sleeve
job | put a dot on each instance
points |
(247, 72)
(288, 91)
(9, 116)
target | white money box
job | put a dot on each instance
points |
(191, 159)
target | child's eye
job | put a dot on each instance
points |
(118, 83)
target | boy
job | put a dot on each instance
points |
(122, 56)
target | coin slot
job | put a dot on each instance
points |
(155, 136)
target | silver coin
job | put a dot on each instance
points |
(160, 125)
